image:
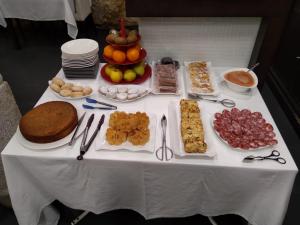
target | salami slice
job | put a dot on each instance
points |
(226, 113)
(272, 142)
(271, 134)
(218, 115)
(245, 112)
(268, 127)
(256, 115)
(253, 144)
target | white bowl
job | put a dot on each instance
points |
(236, 87)
(79, 48)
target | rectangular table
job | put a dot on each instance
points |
(104, 181)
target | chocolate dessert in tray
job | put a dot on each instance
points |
(49, 122)
(165, 78)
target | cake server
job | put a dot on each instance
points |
(91, 100)
(94, 107)
(84, 148)
(78, 125)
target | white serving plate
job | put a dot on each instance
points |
(69, 98)
(176, 142)
(212, 78)
(153, 87)
(47, 146)
(240, 149)
(236, 87)
(79, 48)
(148, 91)
(101, 144)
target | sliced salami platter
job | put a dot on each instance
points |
(243, 129)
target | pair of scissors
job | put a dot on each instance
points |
(273, 156)
(225, 102)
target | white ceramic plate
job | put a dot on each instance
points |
(79, 48)
(175, 133)
(224, 141)
(47, 146)
(101, 144)
(69, 98)
(153, 81)
(212, 78)
(147, 91)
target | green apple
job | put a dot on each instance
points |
(129, 75)
(116, 75)
(139, 69)
(108, 69)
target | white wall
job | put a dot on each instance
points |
(223, 41)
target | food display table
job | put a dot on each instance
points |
(106, 180)
(46, 10)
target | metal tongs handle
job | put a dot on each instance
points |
(87, 146)
(163, 124)
(86, 130)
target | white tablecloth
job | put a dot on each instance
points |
(104, 181)
(46, 10)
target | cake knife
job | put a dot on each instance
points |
(85, 148)
(78, 125)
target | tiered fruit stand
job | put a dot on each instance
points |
(126, 64)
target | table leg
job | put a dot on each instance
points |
(80, 217)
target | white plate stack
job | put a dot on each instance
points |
(80, 58)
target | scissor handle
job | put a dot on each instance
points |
(275, 153)
(280, 160)
(227, 103)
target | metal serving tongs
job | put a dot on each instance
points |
(225, 102)
(162, 152)
(85, 147)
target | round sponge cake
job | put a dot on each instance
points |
(49, 122)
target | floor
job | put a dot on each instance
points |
(28, 69)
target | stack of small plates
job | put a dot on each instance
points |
(80, 58)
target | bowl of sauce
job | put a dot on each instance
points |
(239, 80)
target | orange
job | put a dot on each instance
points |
(133, 54)
(108, 51)
(119, 56)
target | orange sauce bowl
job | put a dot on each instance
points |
(239, 80)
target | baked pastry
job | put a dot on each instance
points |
(128, 126)
(200, 78)
(55, 87)
(68, 89)
(49, 122)
(192, 132)
(65, 93)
